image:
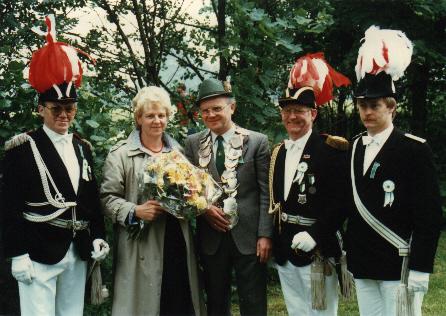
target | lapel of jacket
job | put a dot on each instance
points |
(358, 163)
(55, 165)
(245, 145)
(80, 159)
(211, 166)
(279, 174)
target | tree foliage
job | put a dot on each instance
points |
(253, 42)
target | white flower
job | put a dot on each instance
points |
(232, 183)
(230, 205)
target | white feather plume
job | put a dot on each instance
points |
(74, 61)
(375, 42)
(322, 71)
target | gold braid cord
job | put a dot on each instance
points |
(273, 206)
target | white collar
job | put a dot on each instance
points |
(298, 143)
(379, 138)
(56, 137)
(226, 136)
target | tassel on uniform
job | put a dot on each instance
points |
(404, 297)
(98, 291)
(404, 301)
(317, 276)
(348, 283)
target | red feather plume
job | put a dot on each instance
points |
(312, 70)
(55, 63)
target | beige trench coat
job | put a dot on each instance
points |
(139, 264)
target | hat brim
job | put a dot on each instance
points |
(301, 96)
(215, 95)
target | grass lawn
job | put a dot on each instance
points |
(434, 303)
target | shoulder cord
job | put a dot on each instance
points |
(45, 175)
(274, 207)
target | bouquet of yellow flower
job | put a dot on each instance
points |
(182, 189)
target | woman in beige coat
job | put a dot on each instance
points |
(156, 274)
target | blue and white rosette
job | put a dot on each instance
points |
(389, 197)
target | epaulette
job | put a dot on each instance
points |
(16, 140)
(83, 140)
(118, 144)
(359, 135)
(418, 139)
(337, 142)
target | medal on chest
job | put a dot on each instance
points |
(389, 197)
(86, 169)
(233, 157)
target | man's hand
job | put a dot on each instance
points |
(100, 249)
(149, 211)
(264, 247)
(22, 269)
(303, 241)
(418, 281)
(216, 219)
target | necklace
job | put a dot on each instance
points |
(155, 151)
(233, 155)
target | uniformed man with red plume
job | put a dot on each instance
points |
(52, 214)
(307, 179)
(394, 219)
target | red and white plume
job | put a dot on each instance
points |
(54, 63)
(313, 71)
(383, 50)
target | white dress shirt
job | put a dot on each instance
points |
(64, 146)
(294, 151)
(226, 139)
(374, 145)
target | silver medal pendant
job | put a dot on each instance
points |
(302, 199)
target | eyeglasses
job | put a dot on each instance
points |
(213, 109)
(288, 111)
(56, 110)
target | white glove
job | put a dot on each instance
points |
(100, 249)
(303, 241)
(22, 269)
(418, 281)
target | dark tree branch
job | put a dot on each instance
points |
(115, 19)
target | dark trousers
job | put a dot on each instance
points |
(176, 297)
(250, 277)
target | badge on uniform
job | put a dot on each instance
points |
(374, 168)
(311, 181)
(389, 197)
(302, 199)
(301, 168)
(86, 169)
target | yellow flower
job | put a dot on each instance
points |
(177, 178)
(199, 201)
(160, 182)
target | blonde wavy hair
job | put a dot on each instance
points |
(151, 97)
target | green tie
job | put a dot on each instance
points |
(220, 157)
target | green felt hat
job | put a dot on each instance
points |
(211, 88)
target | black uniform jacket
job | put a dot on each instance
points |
(327, 172)
(22, 183)
(416, 209)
